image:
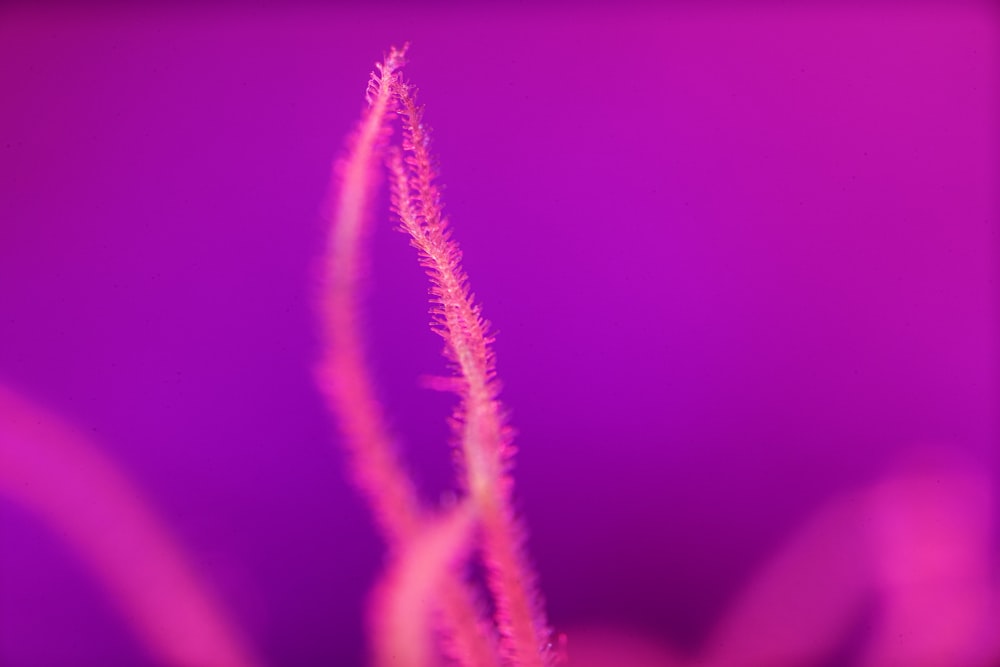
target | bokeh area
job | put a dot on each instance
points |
(742, 260)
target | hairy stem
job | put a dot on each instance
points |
(485, 438)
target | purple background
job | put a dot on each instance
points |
(739, 260)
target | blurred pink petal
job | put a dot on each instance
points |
(934, 566)
(801, 603)
(61, 476)
(918, 543)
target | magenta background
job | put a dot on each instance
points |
(739, 260)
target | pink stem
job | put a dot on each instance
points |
(485, 438)
(402, 605)
(350, 389)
